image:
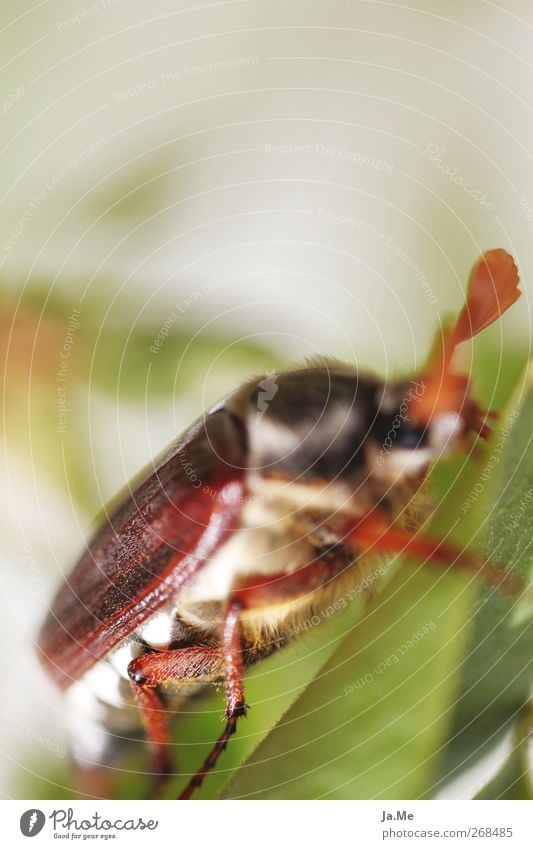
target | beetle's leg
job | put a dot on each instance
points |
(373, 533)
(155, 723)
(255, 592)
(235, 704)
(149, 671)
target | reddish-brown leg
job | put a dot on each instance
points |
(147, 672)
(235, 704)
(373, 533)
(255, 592)
(157, 733)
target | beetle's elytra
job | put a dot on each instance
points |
(270, 505)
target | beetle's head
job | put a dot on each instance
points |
(437, 414)
(404, 441)
(332, 425)
(327, 423)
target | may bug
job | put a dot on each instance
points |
(272, 504)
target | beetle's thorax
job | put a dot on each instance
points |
(282, 528)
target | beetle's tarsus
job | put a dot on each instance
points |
(238, 711)
(210, 762)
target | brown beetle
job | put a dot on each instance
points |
(268, 507)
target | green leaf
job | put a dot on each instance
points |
(369, 726)
(513, 780)
(455, 690)
(271, 687)
(497, 670)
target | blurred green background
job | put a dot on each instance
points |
(193, 194)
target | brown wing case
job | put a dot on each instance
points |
(150, 546)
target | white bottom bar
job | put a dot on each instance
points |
(267, 825)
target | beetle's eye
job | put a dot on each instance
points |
(412, 437)
(393, 432)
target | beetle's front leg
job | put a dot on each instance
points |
(374, 533)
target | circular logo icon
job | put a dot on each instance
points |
(32, 822)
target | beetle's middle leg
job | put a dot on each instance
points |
(235, 705)
(148, 671)
(204, 663)
(254, 593)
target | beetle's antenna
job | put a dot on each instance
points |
(492, 289)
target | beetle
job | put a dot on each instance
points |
(272, 504)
